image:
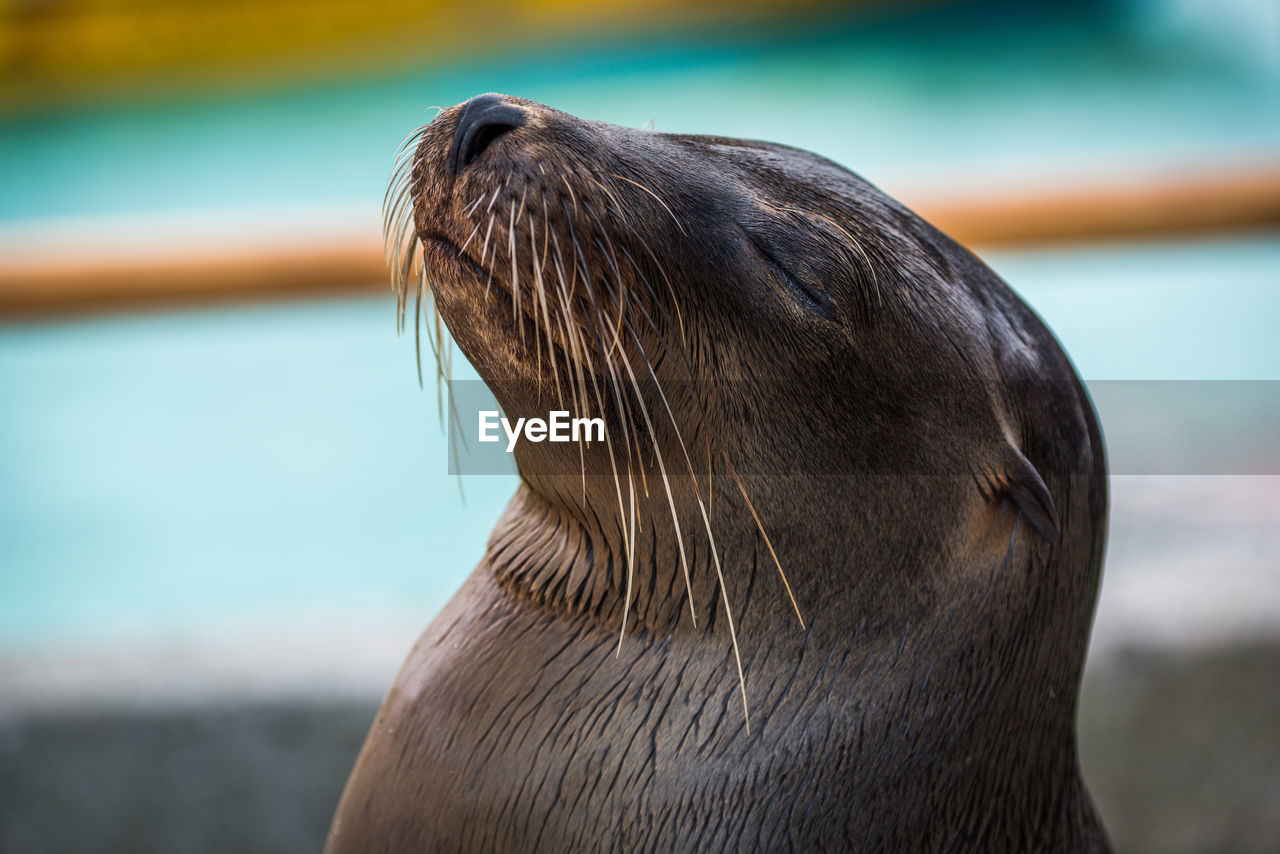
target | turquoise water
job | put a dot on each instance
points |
(180, 467)
(171, 465)
(1184, 310)
(162, 466)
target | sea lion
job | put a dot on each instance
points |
(828, 585)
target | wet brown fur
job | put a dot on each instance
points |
(828, 586)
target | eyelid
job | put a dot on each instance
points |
(818, 299)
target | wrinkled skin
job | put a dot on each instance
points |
(838, 376)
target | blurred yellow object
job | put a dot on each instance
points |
(55, 50)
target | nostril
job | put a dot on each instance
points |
(484, 120)
(480, 137)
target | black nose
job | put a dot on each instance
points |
(484, 118)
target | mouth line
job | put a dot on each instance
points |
(442, 250)
(452, 254)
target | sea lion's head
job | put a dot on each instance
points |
(795, 372)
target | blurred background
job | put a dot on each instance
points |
(225, 512)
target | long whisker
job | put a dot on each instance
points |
(467, 242)
(617, 347)
(756, 516)
(576, 353)
(516, 316)
(546, 319)
(612, 377)
(715, 556)
(631, 564)
(658, 198)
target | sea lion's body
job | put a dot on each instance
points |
(920, 460)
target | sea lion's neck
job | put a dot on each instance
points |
(927, 583)
(869, 649)
(588, 558)
(574, 556)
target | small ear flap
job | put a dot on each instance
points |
(1017, 479)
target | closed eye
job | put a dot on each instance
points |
(815, 296)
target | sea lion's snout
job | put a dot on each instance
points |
(484, 119)
(537, 230)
